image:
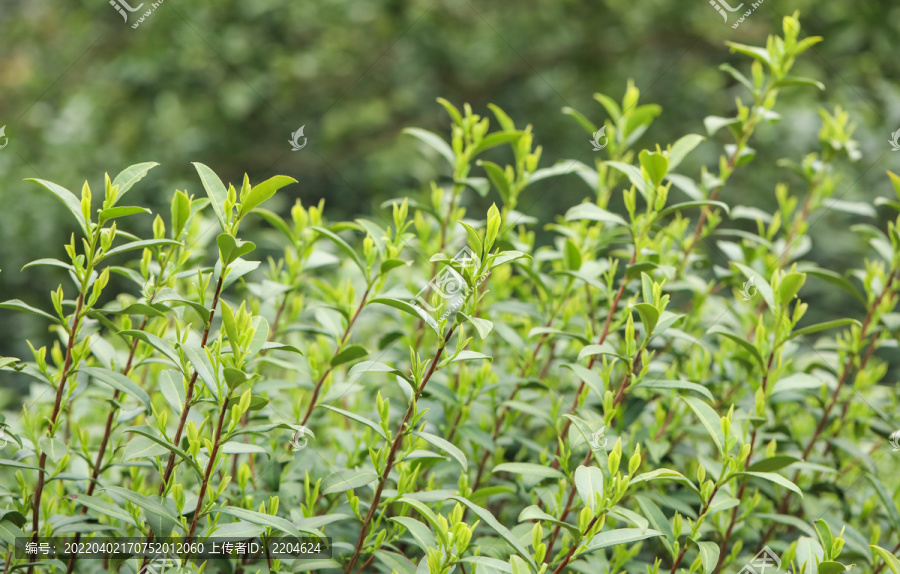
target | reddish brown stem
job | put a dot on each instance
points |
(209, 468)
(395, 447)
(60, 391)
(571, 552)
(321, 381)
(566, 510)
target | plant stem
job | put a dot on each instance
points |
(105, 441)
(60, 391)
(170, 465)
(566, 510)
(845, 373)
(699, 517)
(321, 381)
(572, 550)
(209, 468)
(395, 447)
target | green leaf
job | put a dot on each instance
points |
(789, 286)
(230, 248)
(834, 279)
(155, 512)
(337, 482)
(528, 469)
(772, 463)
(760, 54)
(887, 501)
(889, 559)
(358, 418)
(488, 518)
(709, 555)
(593, 212)
(142, 447)
(419, 531)
(67, 197)
(619, 536)
(349, 353)
(589, 483)
(343, 246)
(670, 384)
(434, 141)
(498, 177)
(821, 327)
(241, 530)
(720, 330)
(55, 564)
(800, 81)
(445, 446)
(689, 204)
(116, 212)
(715, 123)
(142, 244)
(587, 124)
(103, 507)
(262, 192)
(593, 380)
(160, 345)
(604, 349)
(776, 478)
(54, 448)
(655, 164)
(657, 519)
(119, 382)
(708, 418)
(682, 147)
(275, 522)
(798, 381)
(829, 566)
(131, 175)
(17, 305)
(197, 358)
(9, 532)
(483, 326)
(408, 308)
(534, 513)
(497, 138)
(649, 316)
(216, 191)
(147, 432)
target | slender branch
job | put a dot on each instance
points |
(60, 391)
(343, 340)
(881, 566)
(571, 552)
(98, 466)
(566, 510)
(395, 447)
(699, 517)
(209, 468)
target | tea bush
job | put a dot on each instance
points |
(436, 393)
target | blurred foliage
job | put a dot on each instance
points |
(226, 83)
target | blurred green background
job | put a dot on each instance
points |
(227, 82)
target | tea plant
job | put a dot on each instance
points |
(440, 393)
